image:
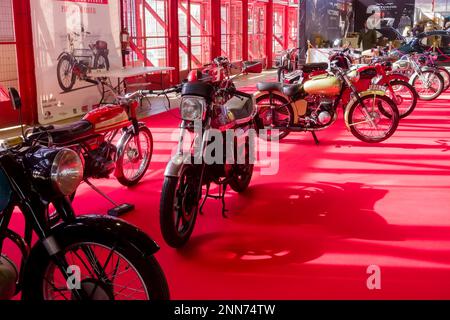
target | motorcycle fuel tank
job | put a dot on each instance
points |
(324, 85)
(107, 117)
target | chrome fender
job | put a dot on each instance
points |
(353, 100)
(175, 164)
(280, 94)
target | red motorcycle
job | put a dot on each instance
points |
(109, 140)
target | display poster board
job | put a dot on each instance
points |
(328, 20)
(397, 14)
(71, 38)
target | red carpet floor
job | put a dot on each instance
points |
(311, 231)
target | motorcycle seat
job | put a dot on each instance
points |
(62, 134)
(292, 89)
(310, 67)
(269, 86)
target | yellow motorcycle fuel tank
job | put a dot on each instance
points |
(326, 85)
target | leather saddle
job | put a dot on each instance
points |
(62, 134)
(287, 89)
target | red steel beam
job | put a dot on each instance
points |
(269, 34)
(173, 56)
(216, 29)
(244, 29)
(25, 59)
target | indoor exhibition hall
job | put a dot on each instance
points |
(224, 150)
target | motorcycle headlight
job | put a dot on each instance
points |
(66, 172)
(192, 108)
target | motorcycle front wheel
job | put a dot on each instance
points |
(429, 85)
(375, 122)
(134, 159)
(65, 75)
(108, 269)
(243, 172)
(179, 206)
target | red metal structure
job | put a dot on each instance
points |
(184, 34)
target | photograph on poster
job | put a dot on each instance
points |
(71, 39)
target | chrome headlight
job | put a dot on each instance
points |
(66, 172)
(192, 108)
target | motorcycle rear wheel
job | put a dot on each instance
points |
(46, 279)
(283, 112)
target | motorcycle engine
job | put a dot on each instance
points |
(100, 163)
(325, 112)
(8, 278)
(320, 112)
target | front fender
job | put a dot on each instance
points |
(354, 100)
(127, 134)
(105, 227)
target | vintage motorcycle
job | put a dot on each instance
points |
(370, 115)
(428, 82)
(428, 59)
(210, 114)
(76, 63)
(95, 138)
(107, 258)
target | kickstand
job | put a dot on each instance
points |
(315, 137)
(118, 210)
(204, 199)
(220, 196)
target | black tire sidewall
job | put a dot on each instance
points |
(283, 133)
(58, 74)
(147, 266)
(414, 93)
(167, 215)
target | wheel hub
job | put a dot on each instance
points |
(96, 289)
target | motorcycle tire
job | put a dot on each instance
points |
(120, 172)
(97, 58)
(240, 182)
(446, 76)
(147, 267)
(404, 112)
(439, 90)
(287, 110)
(172, 234)
(394, 117)
(63, 86)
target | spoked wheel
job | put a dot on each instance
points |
(404, 95)
(134, 160)
(179, 206)
(274, 112)
(446, 76)
(102, 269)
(376, 122)
(66, 77)
(429, 85)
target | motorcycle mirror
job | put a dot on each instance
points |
(15, 98)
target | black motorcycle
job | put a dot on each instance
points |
(77, 62)
(211, 114)
(79, 258)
